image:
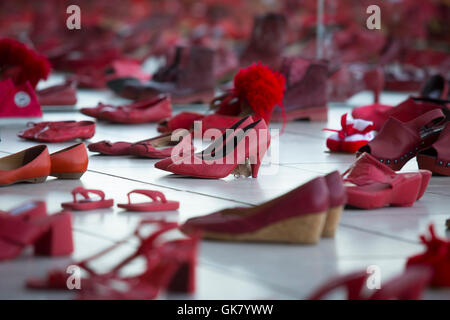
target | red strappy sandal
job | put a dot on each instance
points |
(170, 266)
(87, 203)
(370, 184)
(398, 141)
(159, 203)
(50, 235)
(407, 286)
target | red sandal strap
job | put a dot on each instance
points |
(85, 193)
(152, 194)
(430, 119)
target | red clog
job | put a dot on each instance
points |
(399, 141)
(18, 101)
(280, 220)
(87, 203)
(437, 157)
(64, 94)
(50, 235)
(436, 257)
(370, 184)
(159, 203)
(59, 131)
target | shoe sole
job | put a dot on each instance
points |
(332, 222)
(429, 163)
(68, 175)
(298, 230)
(31, 180)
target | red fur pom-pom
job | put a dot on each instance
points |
(261, 88)
(22, 64)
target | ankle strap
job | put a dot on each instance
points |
(427, 120)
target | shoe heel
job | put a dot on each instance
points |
(332, 222)
(58, 240)
(255, 168)
(184, 279)
(36, 180)
(68, 175)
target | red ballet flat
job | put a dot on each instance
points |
(50, 235)
(398, 142)
(159, 203)
(36, 127)
(371, 184)
(59, 131)
(437, 157)
(408, 286)
(436, 257)
(87, 203)
(64, 94)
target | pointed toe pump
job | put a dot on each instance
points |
(296, 217)
(69, 163)
(30, 165)
(241, 155)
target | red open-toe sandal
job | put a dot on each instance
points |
(370, 184)
(87, 203)
(159, 203)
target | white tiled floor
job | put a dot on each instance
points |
(384, 237)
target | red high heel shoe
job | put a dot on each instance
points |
(60, 131)
(50, 235)
(371, 184)
(437, 157)
(218, 143)
(436, 256)
(170, 266)
(408, 286)
(398, 141)
(280, 220)
(250, 143)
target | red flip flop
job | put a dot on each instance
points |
(159, 202)
(87, 203)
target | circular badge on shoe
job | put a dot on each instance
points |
(22, 99)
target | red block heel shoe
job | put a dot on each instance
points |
(398, 141)
(87, 203)
(437, 157)
(70, 163)
(242, 155)
(436, 257)
(50, 235)
(30, 165)
(170, 266)
(296, 217)
(370, 184)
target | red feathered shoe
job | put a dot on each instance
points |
(18, 101)
(59, 131)
(21, 64)
(436, 256)
(353, 135)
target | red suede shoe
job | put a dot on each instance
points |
(18, 101)
(36, 127)
(437, 157)
(399, 141)
(370, 184)
(139, 112)
(436, 257)
(279, 220)
(50, 235)
(170, 266)
(87, 203)
(64, 94)
(240, 158)
(60, 131)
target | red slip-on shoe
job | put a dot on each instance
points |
(437, 157)
(218, 143)
(70, 163)
(408, 286)
(34, 128)
(241, 155)
(95, 112)
(353, 135)
(30, 165)
(64, 94)
(60, 132)
(28, 210)
(183, 120)
(87, 203)
(370, 184)
(50, 235)
(436, 257)
(18, 101)
(159, 203)
(110, 148)
(164, 146)
(296, 217)
(139, 112)
(398, 141)
(338, 199)
(170, 266)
